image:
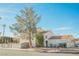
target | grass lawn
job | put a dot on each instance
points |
(14, 52)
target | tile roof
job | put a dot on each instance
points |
(55, 37)
(61, 37)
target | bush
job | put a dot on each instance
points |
(39, 40)
(7, 40)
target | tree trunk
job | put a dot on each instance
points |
(30, 39)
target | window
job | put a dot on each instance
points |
(46, 36)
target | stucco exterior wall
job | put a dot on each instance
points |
(69, 43)
(46, 37)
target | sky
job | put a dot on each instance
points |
(60, 18)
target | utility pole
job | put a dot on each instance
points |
(4, 29)
(3, 33)
(0, 33)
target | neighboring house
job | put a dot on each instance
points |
(50, 40)
(24, 39)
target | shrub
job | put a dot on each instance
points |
(39, 40)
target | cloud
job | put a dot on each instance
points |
(63, 28)
(7, 11)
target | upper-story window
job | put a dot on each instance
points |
(46, 36)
